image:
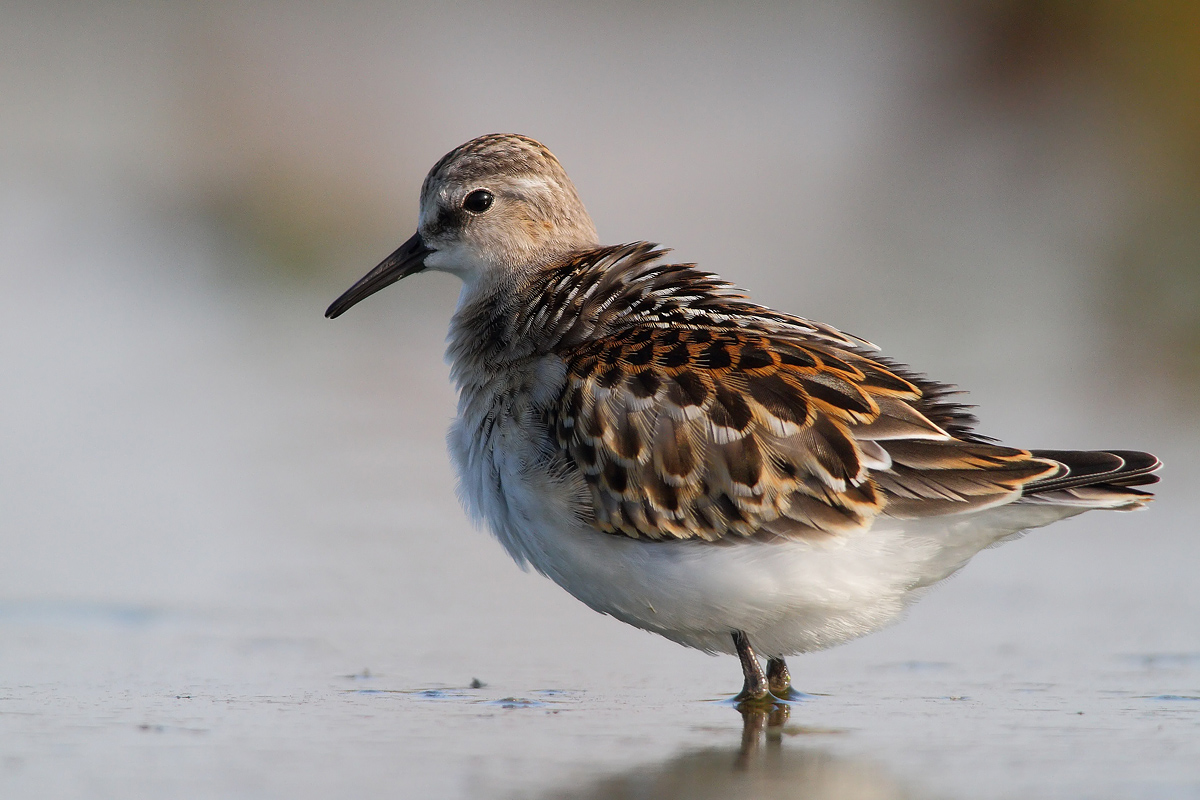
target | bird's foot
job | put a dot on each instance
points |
(748, 700)
(779, 681)
(762, 691)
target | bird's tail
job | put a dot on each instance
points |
(1095, 479)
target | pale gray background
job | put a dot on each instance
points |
(231, 559)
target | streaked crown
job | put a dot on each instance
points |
(500, 200)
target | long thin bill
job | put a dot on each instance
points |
(408, 259)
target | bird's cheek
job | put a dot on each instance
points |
(442, 259)
(457, 259)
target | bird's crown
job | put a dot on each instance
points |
(501, 200)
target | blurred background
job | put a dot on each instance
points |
(232, 555)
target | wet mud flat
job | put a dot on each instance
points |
(113, 700)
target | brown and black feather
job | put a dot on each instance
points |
(692, 412)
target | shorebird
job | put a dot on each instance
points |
(734, 478)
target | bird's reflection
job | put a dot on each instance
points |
(760, 724)
(763, 765)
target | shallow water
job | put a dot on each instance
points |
(234, 565)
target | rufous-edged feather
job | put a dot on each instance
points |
(697, 414)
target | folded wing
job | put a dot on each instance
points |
(712, 433)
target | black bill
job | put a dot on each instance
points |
(409, 258)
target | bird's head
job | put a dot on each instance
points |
(490, 209)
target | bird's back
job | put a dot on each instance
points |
(690, 412)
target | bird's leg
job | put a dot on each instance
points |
(755, 691)
(779, 680)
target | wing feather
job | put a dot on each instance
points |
(692, 412)
(711, 433)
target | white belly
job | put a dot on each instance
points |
(788, 596)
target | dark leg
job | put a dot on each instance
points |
(755, 689)
(779, 680)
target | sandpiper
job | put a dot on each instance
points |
(731, 477)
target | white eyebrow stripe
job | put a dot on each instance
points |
(522, 185)
(528, 183)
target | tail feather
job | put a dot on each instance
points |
(1095, 479)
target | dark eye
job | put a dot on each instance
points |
(478, 201)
